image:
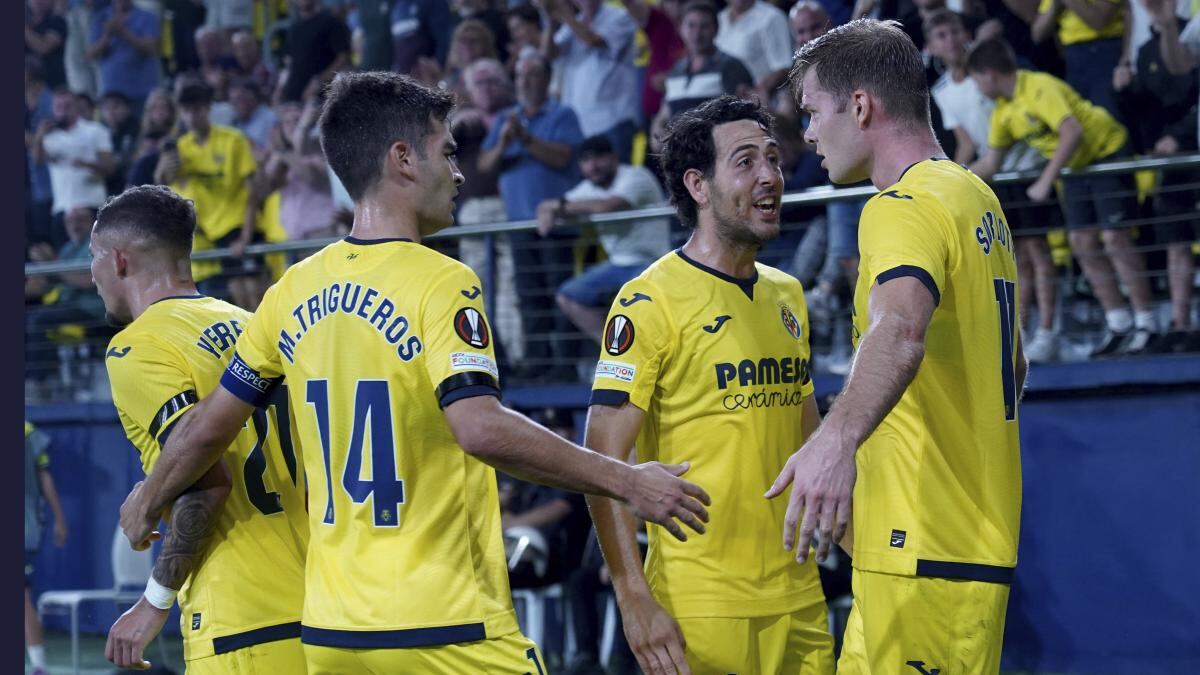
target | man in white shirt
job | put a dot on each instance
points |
(757, 34)
(968, 114)
(630, 246)
(78, 153)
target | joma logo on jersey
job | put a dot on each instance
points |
(751, 373)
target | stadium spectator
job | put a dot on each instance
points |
(186, 17)
(1180, 49)
(1051, 117)
(158, 125)
(607, 186)
(78, 153)
(83, 75)
(661, 27)
(532, 145)
(374, 28)
(1166, 105)
(1091, 33)
(489, 91)
(471, 41)
(124, 42)
(230, 15)
(318, 46)
(45, 37)
(807, 19)
(39, 196)
(68, 298)
(39, 486)
(216, 62)
(593, 44)
(703, 73)
(214, 166)
(251, 115)
(967, 113)
(483, 11)
(420, 29)
(297, 169)
(756, 33)
(524, 24)
(247, 53)
(117, 117)
(86, 106)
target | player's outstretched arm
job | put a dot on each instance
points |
(194, 446)
(652, 633)
(190, 528)
(517, 446)
(822, 472)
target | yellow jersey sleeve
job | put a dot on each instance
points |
(1048, 102)
(459, 356)
(1000, 135)
(638, 340)
(899, 235)
(256, 366)
(152, 388)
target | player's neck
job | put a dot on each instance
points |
(158, 287)
(381, 218)
(895, 152)
(709, 249)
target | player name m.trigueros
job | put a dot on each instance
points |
(351, 299)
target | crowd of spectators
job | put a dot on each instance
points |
(219, 99)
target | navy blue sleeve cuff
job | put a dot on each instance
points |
(912, 271)
(611, 397)
(466, 385)
(245, 383)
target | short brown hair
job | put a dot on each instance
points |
(993, 54)
(876, 56)
(942, 17)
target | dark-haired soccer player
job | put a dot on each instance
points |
(927, 420)
(238, 567)
(706, 355)
(388, 358)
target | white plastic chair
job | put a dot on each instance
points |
(131, 571)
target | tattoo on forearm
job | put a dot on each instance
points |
(190, 526)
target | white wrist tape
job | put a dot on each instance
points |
(158, 595)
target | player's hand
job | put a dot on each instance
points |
(128, 637)
(1167, 145)
(60, 533)
(654, 636)
(237, 249)
(822, 475)
(656, 495)
(1122, 76)
(1039, 191)
(137, 526)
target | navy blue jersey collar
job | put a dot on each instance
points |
(747, 284)
(193, 296)
(369, 242)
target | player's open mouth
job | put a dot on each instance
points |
(768, 206)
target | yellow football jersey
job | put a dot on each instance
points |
(213, 176)
(374, 338)
(1039, 104)
(721, 368)
(939, 481)
(249, 587)
(1072, 29)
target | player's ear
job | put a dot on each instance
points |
(399, 160)
(863, 107)
(120, 261)
(697, 186)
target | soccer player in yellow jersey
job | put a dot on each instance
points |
(927, 420)
(1048, 115)
(387, 354)
(234, 552)
(705, 355)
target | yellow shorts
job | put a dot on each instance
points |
(268, 658)
(513, 653)
(783, 644)
(925, 625)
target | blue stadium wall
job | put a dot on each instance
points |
(1108, 579)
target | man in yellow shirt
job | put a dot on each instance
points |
(923, 437)
(1091, 33)
(1048, 115)
(213, 165)
(706, 355)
